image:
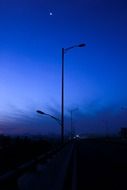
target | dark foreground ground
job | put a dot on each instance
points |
(95, 164)
(101, 164)
(16, 151)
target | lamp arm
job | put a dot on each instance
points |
(66, 49)
(58, 120)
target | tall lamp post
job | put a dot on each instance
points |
(72, 129)
(65, 50)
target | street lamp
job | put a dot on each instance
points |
(64, 50)
(43, 113)
(72, 129)
(124, 108)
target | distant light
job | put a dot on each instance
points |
(76, 137)
(50, 13)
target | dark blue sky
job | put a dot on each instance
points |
(30, 64)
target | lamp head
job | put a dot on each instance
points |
(81, 45)
(40, 112)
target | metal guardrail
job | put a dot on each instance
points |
(8, 181)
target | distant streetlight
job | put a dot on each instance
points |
(43, 113)
(72, 130)
(64, 50)
(124, 108)
(106, 127)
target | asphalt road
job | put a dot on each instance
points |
(101, 165)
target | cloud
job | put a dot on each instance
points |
(92, 118)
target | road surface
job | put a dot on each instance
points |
(101, 165)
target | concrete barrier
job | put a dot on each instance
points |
(49, 176)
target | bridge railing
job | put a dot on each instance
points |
(10, 180)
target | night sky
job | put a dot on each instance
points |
(32, 33)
